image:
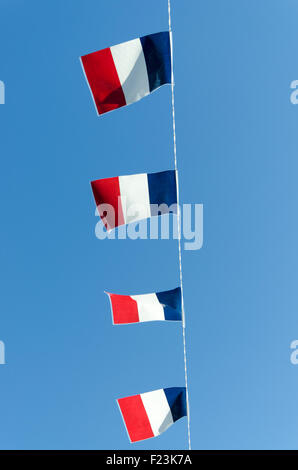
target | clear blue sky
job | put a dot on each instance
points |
(237, 152)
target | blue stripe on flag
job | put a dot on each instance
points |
(157, 52)
(176, 397)
(171, 302)
(162, 190)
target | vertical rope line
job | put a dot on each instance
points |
(179, 226)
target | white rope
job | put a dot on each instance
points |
(179, 226)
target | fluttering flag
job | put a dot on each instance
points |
(122, 74)
(125, 199)
(148, 307)
(150, 414)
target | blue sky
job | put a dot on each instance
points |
(237, 154)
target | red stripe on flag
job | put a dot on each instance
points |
(135, 418)
(107, 191)
(103, 80)
(125, 309)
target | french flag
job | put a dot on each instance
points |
(160, 306)
(125, 199)
(122, 74)
(150, 414)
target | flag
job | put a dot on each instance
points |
(148, 307)
(150, 414)
(125, 199)
(122, 74)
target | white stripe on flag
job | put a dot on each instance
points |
(149, 307)
(158, 410)
(135, 200)
(132, 70)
